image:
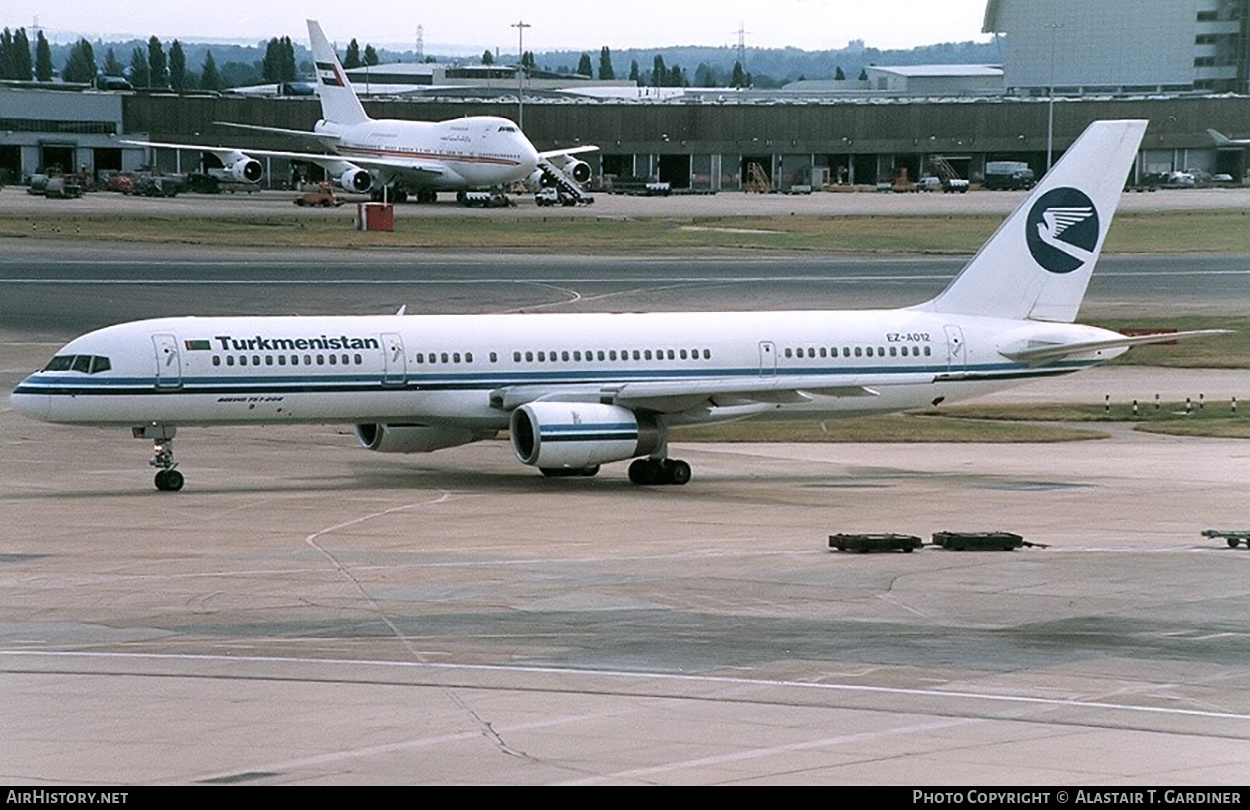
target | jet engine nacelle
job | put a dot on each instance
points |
(411, 438)
(579, 170)
(358, 180)
(245, 170)
(577, 435)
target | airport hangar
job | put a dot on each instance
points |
(701, 143)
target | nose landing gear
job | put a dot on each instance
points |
(167, 479)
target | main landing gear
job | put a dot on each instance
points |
(167, 479)
(652, 471)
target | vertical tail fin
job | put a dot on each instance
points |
(1038, 263)
(338, 100)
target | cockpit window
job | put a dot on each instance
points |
(62, 362)
(85, 363)
(507, 129)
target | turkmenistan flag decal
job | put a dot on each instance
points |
(198, 345)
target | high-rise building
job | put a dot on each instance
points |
(1122, 46)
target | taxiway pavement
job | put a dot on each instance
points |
(307, 612)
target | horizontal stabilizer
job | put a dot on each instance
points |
(1052, 351)
(296, 133)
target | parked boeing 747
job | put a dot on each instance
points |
(577, 391)
(418, 157)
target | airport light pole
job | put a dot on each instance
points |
(520, 26)
(1050, 99)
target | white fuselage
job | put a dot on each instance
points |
(469, 371)
(463, 153)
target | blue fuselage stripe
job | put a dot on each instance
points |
(64, 384)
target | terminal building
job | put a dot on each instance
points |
(1181, 64)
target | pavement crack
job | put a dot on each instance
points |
(485, 728)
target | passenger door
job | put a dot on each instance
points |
(168, 361)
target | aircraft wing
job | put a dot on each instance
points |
(558, 153)
(675, 396)
(334, 163)
(1055, 350)
(1222, 141)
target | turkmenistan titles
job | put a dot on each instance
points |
(261, 343)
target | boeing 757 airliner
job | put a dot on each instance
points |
(577, 391)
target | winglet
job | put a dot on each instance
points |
(339, 103)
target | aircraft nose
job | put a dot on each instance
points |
(29, 403)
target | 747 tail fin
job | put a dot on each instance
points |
(1037, 264)
(339, 103)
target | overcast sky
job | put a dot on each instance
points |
(480, 24)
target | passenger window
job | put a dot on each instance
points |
(468, 357)
(443, 357)
(269, 359)
(683, 353)
(893, 352)
(529, 357)
(359, 359)
(926, 351)
(230, 359)
(455, 357)
(308, 359)
(321, 361)
(333, 359)
(216, 360)
(858, 351)
(282, 359)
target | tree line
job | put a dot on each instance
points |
(150, 64)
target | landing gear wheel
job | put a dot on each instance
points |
(169, 480)
(644, 472)
(676, 472)
(653, 471)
